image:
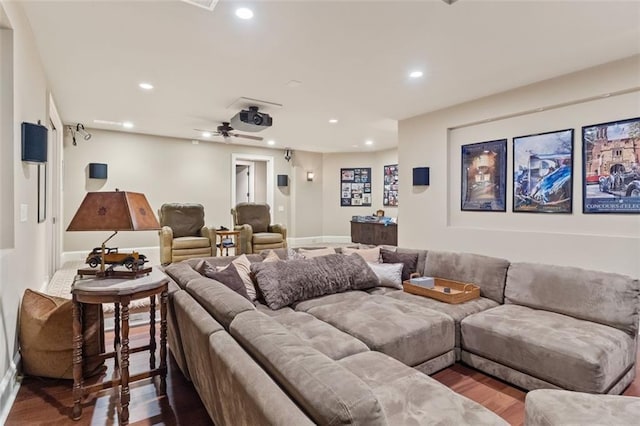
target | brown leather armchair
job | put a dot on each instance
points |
(256, 231)
(183, 234)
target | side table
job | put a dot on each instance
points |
(234, 236)
(120, 292)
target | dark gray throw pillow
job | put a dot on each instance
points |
(410, 261)
(282, 283)
(228, 276)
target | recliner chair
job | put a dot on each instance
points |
(256, 231)
(183, 234)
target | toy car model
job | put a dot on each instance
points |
(132, 260)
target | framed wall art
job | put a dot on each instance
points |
(390, 193)
(355, 187)
(484, 176)
(610, 167)
(543, 172)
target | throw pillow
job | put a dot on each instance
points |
(308, 254)
(272, 256)
(283, 283)
(293, 255)
(410, 261)
(389, 274)
(228, 276)
(371, 255)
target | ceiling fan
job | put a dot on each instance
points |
(226, 131)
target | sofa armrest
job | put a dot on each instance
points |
(166, 239)
(246, 237)
(279, 229)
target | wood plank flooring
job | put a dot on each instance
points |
(49, 401)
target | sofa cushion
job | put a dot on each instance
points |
(257, 216)
(409, 397)
(371, 255)
(283, 283)
(546, 407)
(410, 261)
(457, 311)
(305, 305)
(602, 297)
(405, 331)
(488, 273)
(190, 243)
(266, 238)
(567, 352)
(319, 335)
(228, 276)
(328, 392)
(185, 220)
(218, 299)
(181, 273)
(309, 253)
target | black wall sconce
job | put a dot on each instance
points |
(420, 176)
(283, 180)
(34, 143)
(97, 171)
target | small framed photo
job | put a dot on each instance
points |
(543, 172)
(610, 169)
(484, 176)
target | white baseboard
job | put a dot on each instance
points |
(152, 253)
(9, 387)
(324, 239)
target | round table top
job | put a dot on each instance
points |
(120, 286)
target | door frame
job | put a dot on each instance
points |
(55, 218)
(235, 158)
(251, 180)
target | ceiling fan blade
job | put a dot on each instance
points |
(254, 138)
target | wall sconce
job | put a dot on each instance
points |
(288, 153)
(310, 176)
(283, 180)
(420, 176)
(97, 171)
(34, 143)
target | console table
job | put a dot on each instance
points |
(374, 233)
(120, 292)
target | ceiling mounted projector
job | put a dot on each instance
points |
(251, 120)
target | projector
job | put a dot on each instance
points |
(251, 120)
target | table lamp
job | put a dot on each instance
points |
(114, 211)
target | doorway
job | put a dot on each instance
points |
(53, 222)
(252, 179)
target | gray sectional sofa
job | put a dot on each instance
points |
(363, 356)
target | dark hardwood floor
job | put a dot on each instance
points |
(49, 401)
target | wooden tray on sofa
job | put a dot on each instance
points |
(460, 292)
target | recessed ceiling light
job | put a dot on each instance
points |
(206, 134)
(333, 120)
(271, 142)
(146, 86)
(415, 74)
(127, 124)
(244, 13)
(368, 143)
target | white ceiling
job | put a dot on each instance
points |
(352, 58)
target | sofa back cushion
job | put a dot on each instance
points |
(328, 392)
(219, 300)
(185, 220)
(182, 273)
(602, 297)
(283, 283)
(488, 273)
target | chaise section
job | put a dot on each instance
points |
(321, 336)
(409, 397)
(567, 352)
(408, 332)
(329, 393)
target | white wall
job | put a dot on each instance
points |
(431, 218)
(21, 266)
(335, 218)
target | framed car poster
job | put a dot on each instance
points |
(543, 172)
(355, 187)
(484, 176)
(390, 193)
(610, 169)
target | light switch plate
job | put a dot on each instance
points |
(24, 212)
(280, 208)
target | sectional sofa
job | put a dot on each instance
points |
(362, 353)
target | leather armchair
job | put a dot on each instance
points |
(183, 234)
(256, 231)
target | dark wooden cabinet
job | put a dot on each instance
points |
(374, 233)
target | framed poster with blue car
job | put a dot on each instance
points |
(543, 172)
(484, 176)
(355, 187)
(610, 167)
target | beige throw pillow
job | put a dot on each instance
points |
(272, 256)
(243, 266)
(308, 254)
(371, 255)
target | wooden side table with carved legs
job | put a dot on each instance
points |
(120, 292)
